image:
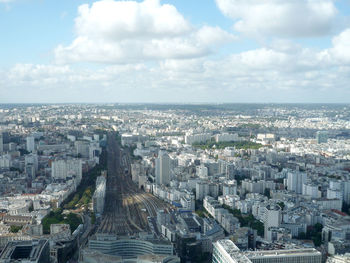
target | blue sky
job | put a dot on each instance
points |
(174, 51)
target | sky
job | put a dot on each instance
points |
(175, 51)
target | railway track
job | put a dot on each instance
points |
(124, 202)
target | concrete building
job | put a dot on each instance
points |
(301, 255)
(129, 248)
(226, 137)
(202, 190)
(137, 170)
(163, 217)
(30, 144)
(32, 159)
(61, 169)
(339, 258)
(202, 171)
(310, 189)
(5, 161)
(295, 181)
(229, 188)
(98, 199)
(163, 169)
(1, 143)
(322, 137)
(272, 218)
(225, 251)
(35, 251)
(93, 256)
(82, 148)
(197, 138)
(60, 231)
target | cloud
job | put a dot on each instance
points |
(297, 18)
(341, 47)
(128, 31)
(280, 72)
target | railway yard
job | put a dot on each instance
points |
(127, 208)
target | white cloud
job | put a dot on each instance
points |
(341, 47)
(127, 31)
(297, 18)
(282, 72)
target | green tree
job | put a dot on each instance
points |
(267, 193)
(15, 229)
(282, 205)
(302, 235)
(93, 218)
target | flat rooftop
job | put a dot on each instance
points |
(283, 253)
(29, 250)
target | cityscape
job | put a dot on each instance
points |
(175, 131)
(175, 183)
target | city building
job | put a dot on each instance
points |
(30, 144)
(1, 143)
(197, 138)
(225, 251)
(322, 137)
(98, 199)
(130, 248)
(61, 169)
(295, 181)
(36, 251)
(273, 218)
(163, 169)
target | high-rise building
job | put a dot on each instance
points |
(202, 171)
(98, 199)
(273, 218)
(5, 161)
(163, 169)
(32, 159)
(1, 143)
(225, 251)
(30, 144)
(202, 190)
(311, 190)
(82, 148)
(61, 169)
(229, 188)
(295, 181)
(322, 136)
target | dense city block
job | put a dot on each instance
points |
(261, 183)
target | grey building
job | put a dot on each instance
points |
(34, 251)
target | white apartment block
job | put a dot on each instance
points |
(61, 169)
(225, 251)
(197, 138)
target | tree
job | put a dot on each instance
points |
(15, 229)
(282, 205)
(93, 218)
(302, 235)
(345, 208)
(31, 208)
(318, 227)
(267, 193)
